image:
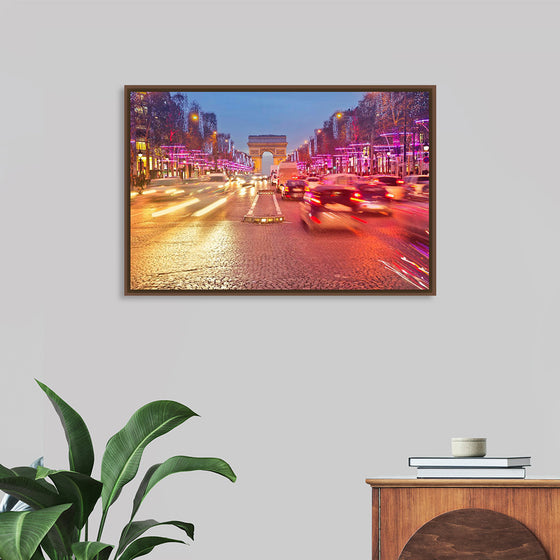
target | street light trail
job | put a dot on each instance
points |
(416, 282)
(210, 207)
(175, 207)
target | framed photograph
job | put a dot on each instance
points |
(280, 190)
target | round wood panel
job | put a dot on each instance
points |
(469, 534)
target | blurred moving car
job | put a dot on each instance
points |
(417, 187)
(344, 180)
(219, 182)
(371, 197)
(312, 182)
(286, 170)
(415, 220)
(217, 178)
(244, 180)
(293, 189)
(273, 175)
(395, 185)
(329, 207)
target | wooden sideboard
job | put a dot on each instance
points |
(402, 507)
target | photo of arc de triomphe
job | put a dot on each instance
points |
(274, 143)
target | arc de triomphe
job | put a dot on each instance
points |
(274, 143)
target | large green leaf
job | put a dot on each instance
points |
(29, 491)
(11, 503)
(6, 472)
(22, 532)
(80, 448)
(49, 549)
(143, 546)
(133, 530)
(8, 502)
(31, 470)
(58, 542)
(35, 494)
(79, 489)
(31, 473)
(90, 549)
(124, 450)
(175, 465)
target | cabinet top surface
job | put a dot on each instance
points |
(463, 482)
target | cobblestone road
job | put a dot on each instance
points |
(189, 250)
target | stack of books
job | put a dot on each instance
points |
(470, 467)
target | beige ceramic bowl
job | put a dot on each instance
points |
(468, 447)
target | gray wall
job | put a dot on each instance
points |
(374, 379)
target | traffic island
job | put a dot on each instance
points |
(263, 219)
(264, 209)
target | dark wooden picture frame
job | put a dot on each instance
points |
(346, 209)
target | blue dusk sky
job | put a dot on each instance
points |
(295, 114)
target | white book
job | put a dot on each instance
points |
(469, 461)
(477, 472)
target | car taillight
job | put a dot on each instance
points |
(315, 219)
(399, 182)
(314, 200)
(356, 197)
(389, 195)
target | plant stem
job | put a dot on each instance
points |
(102, 524)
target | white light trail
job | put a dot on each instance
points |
(174, 208)
(210, 207)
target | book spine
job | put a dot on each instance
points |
(442, 472)
(468, 462)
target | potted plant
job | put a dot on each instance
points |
(62, 501)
